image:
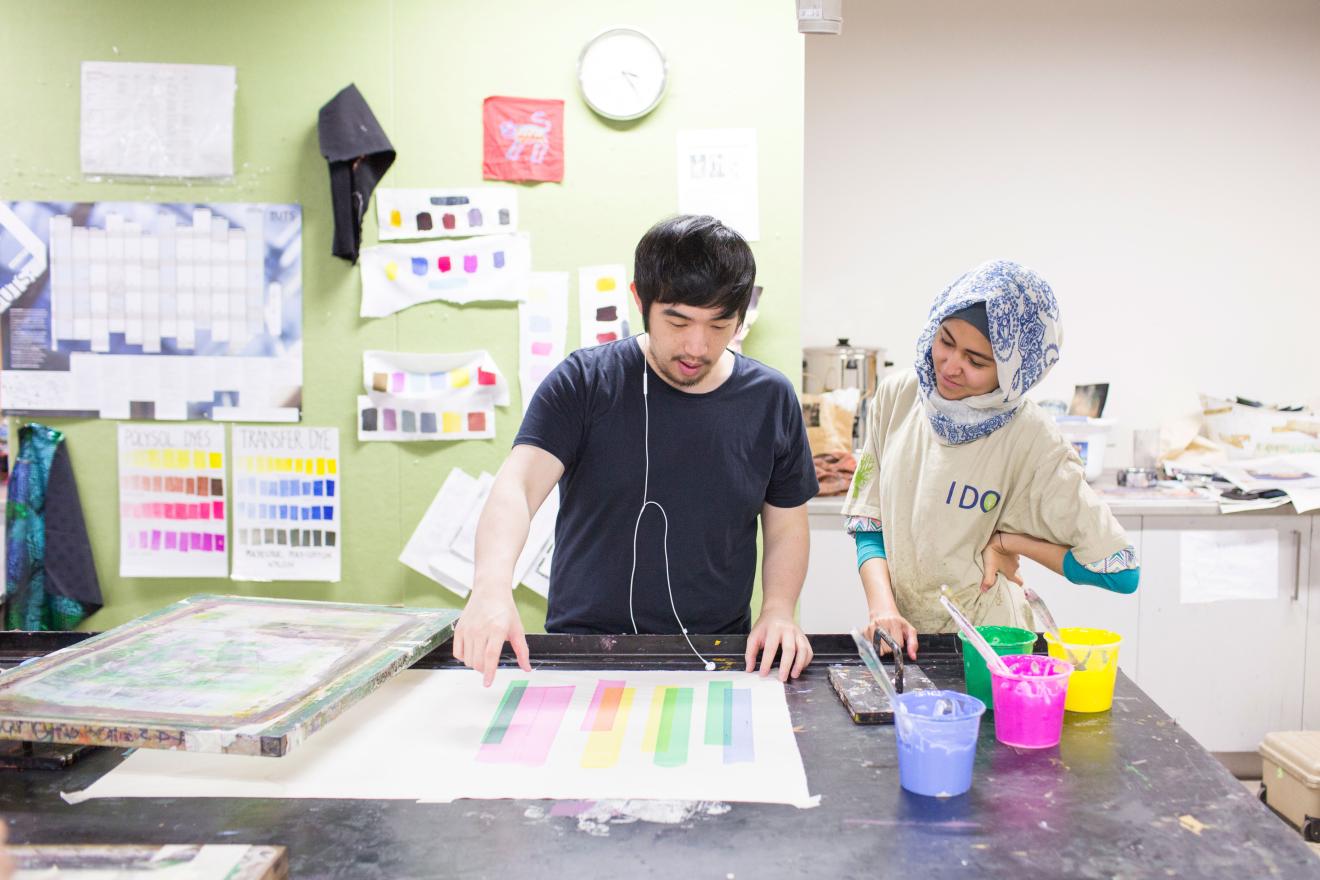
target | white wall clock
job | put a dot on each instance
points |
(622, 73)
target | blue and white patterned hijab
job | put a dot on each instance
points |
(1025, 336)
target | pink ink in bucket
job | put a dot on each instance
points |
(1029, 700)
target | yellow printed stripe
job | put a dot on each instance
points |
(653, 720)
(604, 746)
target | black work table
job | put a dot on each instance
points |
(1126, 793)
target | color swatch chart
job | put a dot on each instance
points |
(529, 718)
(542, 330)
(445, 213)
(172, 501)
(487, 268)
(430, 397)
(286, 504)
(602, 304)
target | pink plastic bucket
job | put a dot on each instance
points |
(1029, 700)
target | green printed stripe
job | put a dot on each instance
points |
(718, 729)
(499, 724)
(671, 746)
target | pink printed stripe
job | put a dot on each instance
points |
(533, 729)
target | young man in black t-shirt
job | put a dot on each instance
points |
(667, 448)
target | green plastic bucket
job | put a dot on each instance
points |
(1005, 640)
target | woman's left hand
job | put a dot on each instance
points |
(996, 559)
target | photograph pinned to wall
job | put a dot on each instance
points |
(523, 139)
(287, 523)
(717, 175)
(543, 330)
(602, 304)
(172, 512)
(753, 312)
(157, 120)
(153, 311)
(488, 268)
(430, 396)
(446, 213)
(442, 545)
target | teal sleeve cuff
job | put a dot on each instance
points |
(870, 545)
(1115, 582)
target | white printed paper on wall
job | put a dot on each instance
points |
(430, 396)
(172, 501)
(287, 524)
(717, 175)
(446, 213)
(489, 268)
(542, 330)
(602, 304)
(157, 120)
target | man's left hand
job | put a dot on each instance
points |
(777, 633)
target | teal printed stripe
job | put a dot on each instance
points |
(499, 724)
(671, 746)
(717, 713)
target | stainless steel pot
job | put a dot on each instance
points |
(830, 368)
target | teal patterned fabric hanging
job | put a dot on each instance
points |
(50, 579)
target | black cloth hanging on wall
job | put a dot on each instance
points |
(359, 154)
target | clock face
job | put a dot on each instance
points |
(622, 73)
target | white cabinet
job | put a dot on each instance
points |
(1311, 691)
(1228, 671)
(1079, 605)
(832, 599)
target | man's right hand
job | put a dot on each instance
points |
(489, 620)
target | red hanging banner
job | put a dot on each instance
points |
(524, 139)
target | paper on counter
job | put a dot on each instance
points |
(422, 734)
(1221, 565)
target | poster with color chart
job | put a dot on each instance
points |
(137, 310)
(542, 330)
(486, 268)
(172, 519)
(430, 396)
(602, 304)
(287, 524)
(446, 213)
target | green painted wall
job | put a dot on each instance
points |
(424, 66)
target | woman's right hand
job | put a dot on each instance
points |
(898, 628)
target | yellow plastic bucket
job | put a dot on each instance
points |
(1094, 656)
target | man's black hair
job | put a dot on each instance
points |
(694, 260)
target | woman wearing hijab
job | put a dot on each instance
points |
(962, 475)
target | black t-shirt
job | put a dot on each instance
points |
(715, 459)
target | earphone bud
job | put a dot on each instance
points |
(647, 502)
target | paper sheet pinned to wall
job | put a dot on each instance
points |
(430, 396)
(542, 330)
(446, 213)
(489, 268)
(442, 547)
(287, 516)
(1222, 566)
(602, 304)
(157, 120)
(717, 175)
(172, 509)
